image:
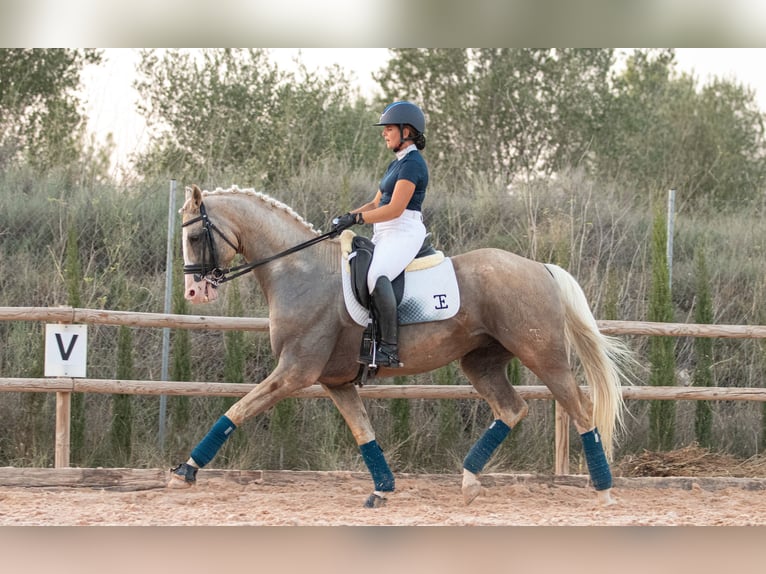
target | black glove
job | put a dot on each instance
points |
(345, 221)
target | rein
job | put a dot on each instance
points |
(212, 273)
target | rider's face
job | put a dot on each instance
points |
(392, 136)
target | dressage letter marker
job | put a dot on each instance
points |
(66, 350)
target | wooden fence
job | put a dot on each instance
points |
(64, 387)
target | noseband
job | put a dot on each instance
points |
(210, 271)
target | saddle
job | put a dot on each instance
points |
(429, 293)
(360, 257)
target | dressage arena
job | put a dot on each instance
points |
(715, 493)
(130, 497)
(724, 493)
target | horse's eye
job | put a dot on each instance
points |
(193, 239)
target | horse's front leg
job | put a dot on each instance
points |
(281, 383)
(351, 407)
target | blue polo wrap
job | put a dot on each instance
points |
(483, 449)
(600, 475)
(204, 452)
(378, 467)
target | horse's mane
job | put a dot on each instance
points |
(267, 199)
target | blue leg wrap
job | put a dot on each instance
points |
(600, 475)
(378, 467)
(480, 452)
(204, 452)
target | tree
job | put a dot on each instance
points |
(218, 112)
(180, 368)
(660, 132)
(40, 117)
(121, 429)
(504, 111)
(703, 351)
(234, 341)
(728, 145)
(508, 113)
(662, 414)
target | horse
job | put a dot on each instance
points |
(510, 306)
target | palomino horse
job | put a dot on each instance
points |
(510, 307)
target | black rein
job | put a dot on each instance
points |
(213, 274)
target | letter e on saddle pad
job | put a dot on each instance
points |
(430, 288)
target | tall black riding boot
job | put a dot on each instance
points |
(384, 308)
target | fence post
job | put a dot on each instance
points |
(63, 428)
(168, 302)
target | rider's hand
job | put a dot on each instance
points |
(345, 221)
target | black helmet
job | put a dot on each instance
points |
(400, 113)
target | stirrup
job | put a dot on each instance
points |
(387, 356)
(367, 349)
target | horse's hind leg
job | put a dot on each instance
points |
(486, 368)
(351, 407)
(565, 390)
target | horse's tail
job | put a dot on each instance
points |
(603, 358)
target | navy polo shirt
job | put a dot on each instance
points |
(411, 167)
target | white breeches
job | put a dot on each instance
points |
(396, 244)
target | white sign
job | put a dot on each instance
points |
(66, 350)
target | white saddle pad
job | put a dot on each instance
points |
(430, 294)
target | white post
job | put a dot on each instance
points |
(168, 301)
(671, 217)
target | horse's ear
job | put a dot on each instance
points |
(196, 195)
(192, 199)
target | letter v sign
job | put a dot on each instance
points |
(65, 353)
(66, 350)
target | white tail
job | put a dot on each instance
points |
(603, 358)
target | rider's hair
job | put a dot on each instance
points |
(417, 138)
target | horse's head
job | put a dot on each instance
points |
(206, 250)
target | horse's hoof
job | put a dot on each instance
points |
(182, 476)
(375, 501)
(605, 497)
(471, 487)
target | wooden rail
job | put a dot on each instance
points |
(63, 387)
(528, 392)
(682, 329)
(134, 319)
(131, 318)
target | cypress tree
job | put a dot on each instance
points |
(448, 416)
(234, 341)
(234, 366)
(180, 368)
(400, 413)
(703, 352)
(284, 419)
(662, 414)
(121, 430)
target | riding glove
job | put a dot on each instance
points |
(345, 221)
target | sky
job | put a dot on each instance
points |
(111, 100)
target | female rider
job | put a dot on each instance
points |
(395, 212)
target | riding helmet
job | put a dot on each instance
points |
(401, 113)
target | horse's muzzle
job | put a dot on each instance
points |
(199, 291)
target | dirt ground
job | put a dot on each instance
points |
(419, 501)
(736, 497)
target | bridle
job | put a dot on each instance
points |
(210, 271)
